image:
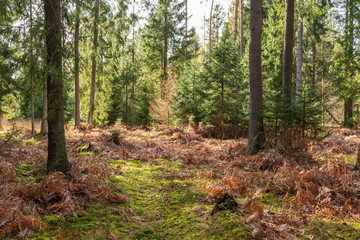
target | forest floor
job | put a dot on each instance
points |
(139, 184)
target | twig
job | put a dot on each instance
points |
(333, 117)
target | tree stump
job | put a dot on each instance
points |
(226, 202)
(115, 138)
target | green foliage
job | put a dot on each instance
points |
(189, 96)
(6, 70)
(130, 61)
(215, 90)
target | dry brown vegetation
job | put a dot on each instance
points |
(316, 179)
(19, 123)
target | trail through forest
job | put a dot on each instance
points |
(141, 184)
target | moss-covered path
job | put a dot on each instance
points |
(165, 203)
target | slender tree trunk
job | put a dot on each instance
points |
(126, 103)
(93, 71)
(133, 54)
(57, 155)
(186, 18)
(44, 122)
(133, 35)
(165, 73)
(346, 101)
(348, 108)
(236, 11)
(288, 58)
(1, 127)
(76, 67)
(165, 47)
(323, 84)
(256, 136)
(186, 25)
(222, 101)
(210, 26)
(33, 132)
(242, 47)
(314, 65)
(299, 61)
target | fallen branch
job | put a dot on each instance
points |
(333, 117)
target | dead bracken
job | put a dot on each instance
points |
(325, 187)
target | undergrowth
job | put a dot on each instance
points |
(168, 182)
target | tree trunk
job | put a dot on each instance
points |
(222, 102)
(1, 127)
(349, 24)
(57, 155)
(288, 59)
(255, 75)
(33, 132)
(299, 61)
(165, 44)
(165, 73)
(126, 103)
(76, 67)
(44, 122)
(93, 70)
(186, 19)
(323, 84)
(314, 65)
(133, 54)
(236, 11)
(210, 25)
(242, 47)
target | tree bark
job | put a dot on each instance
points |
(33, 132)
(93, 70)
(242, 47)
(288, 58)
(165, 42)
(165, 60)
(236, 11)
(76, 67)
(57, 155)
(133, 53)
(314, 65)
(255, 74)
(323, 84)
(44, 122)
(1, 127)
(186, 19)
(349, 24)
(210, 25)
(299, 61)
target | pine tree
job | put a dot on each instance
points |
(57, 155)
(93, 68)
(288, 60)
(255, 76)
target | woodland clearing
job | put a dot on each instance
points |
(164, 184)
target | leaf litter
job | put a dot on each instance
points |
(315, 181)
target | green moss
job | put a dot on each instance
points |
(53, 219)
(38, 137)
(161, 207)
(350, 159)
(272, 202)
(87, 149)
(164, 207)
(325, 229)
